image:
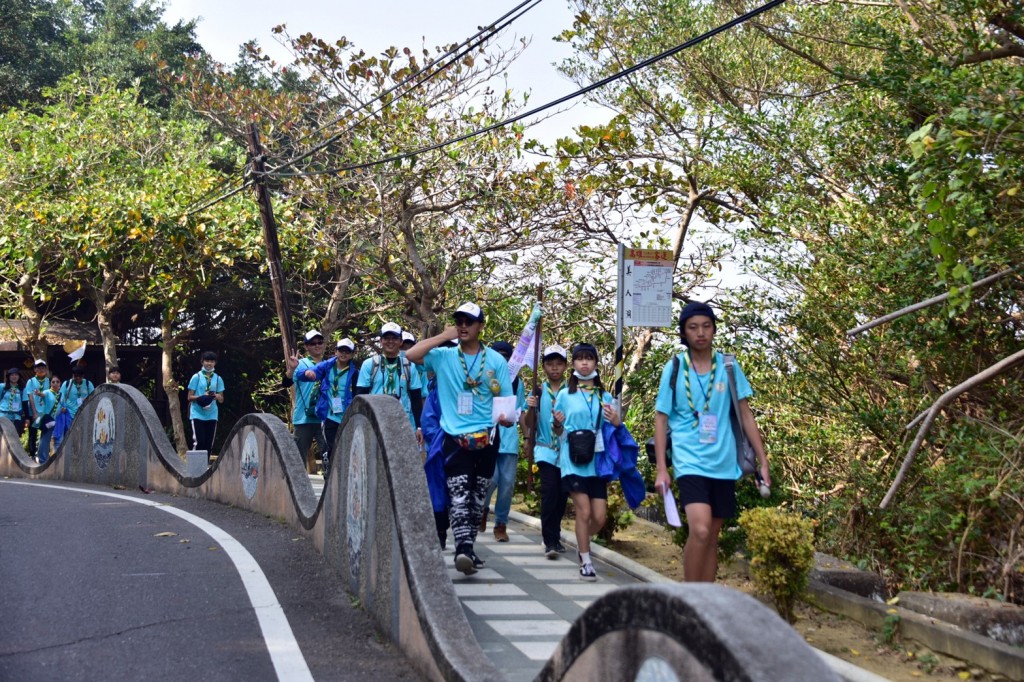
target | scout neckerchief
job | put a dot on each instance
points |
(77, 388)
(707, 391)
(12, 396)
(336, 378)
(390, 380)
(552, 393)
(208, 375)
(56, 403)
(590, 401)
(473, 384)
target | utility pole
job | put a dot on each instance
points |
(259, 168)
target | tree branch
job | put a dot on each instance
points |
(995, 370)
(925, 304)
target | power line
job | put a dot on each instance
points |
(464, 48)
(533, 112)
(245, 185)
(452, 56)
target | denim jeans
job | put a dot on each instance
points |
(43, 453)
(504, 480)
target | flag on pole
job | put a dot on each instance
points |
(528, 340)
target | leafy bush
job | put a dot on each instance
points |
(781, 548)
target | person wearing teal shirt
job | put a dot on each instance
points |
(306, 424)
(35, 387)
(576, 419)
(391, 373)
(74, 391)
(408, 341)
(12, 399)
(468, 377)
(504, 479)
(205, 394)
(44, 422)
(696, 411)
(545, 452)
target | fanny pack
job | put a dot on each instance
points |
(581, 446)
(477, 440)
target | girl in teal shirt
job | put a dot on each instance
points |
(579, 410)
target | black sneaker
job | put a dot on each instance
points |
(559, 547)
(551, 552)
(587, 573)
(464, 564)
(478, 563)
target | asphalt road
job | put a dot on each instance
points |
(96, 586)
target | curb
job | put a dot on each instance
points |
(846, 670)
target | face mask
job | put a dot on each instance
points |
(586, 377)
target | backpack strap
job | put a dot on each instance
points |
(743, 448)
(675, 376)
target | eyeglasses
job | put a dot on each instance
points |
(315, 343)
(344, 350)
(464, 322)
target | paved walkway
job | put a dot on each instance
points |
(521, 603)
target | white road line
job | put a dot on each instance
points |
(289, 663)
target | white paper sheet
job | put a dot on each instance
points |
(503, 405)
(671, 511)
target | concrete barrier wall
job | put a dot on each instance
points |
(375, 527)
(702, 632)
(374, 524)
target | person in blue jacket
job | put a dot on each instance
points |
(577, 421)
(696, 413)
(468, 379)
(337, 377)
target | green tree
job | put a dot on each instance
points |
(102, 185)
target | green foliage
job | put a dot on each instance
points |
(781, 546)
(876, 163)
(122, 41)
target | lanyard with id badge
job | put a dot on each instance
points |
(705, 422)
(470, 385)
(337, 399)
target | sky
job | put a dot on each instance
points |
(224, 25)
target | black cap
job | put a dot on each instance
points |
(581, 348)
(693, 309)
(13, 370)
(503, 347)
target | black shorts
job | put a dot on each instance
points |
(594, 487)
(718, 493)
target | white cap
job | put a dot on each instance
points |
(555, 349)
(312, 334)
(40, 363)
(407, 336)
(470, 310)
(347, 343)
(390, 328)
